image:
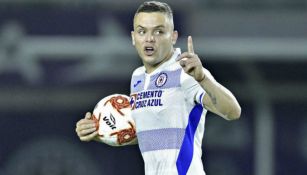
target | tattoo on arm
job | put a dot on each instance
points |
(212, 97)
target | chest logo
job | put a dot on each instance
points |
(161, 80)
(137, 83)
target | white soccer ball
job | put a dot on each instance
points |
(114, 123)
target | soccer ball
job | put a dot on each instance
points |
(114, 123)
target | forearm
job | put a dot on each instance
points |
(222, 101)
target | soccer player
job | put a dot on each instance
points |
(170, 96)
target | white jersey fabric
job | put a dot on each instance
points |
(170, 119)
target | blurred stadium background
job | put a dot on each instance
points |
(59, 57)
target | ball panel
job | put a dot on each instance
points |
(114, 123)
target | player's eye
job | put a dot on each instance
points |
(141, 32)
(158, 32)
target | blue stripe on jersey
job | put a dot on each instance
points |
(160, 139)
(172, 80)
(186, 151)
(137, 83)
(201, 98)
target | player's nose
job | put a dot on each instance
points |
(150, 37)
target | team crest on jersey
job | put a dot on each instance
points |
(161, 80)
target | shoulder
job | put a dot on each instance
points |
(187, 80)
(139, 71)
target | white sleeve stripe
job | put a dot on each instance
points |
(201, 99)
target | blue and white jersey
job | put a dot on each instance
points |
(170, 119)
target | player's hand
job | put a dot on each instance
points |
(191, 63)
(86, 128)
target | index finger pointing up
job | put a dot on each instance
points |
(190, 45)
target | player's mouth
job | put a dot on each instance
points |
(149, 51)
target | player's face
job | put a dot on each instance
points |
(153, 38)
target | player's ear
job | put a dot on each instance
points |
(132, 37)
(174, 37)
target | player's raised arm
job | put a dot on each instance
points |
(218, 99)
(86, 128)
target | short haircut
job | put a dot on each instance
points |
(155, 6)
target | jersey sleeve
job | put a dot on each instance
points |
(193, 92)
(131, 82)
(136, 79)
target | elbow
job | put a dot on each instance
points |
(235, 113)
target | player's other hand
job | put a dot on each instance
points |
(191, 63)
(86, 128)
